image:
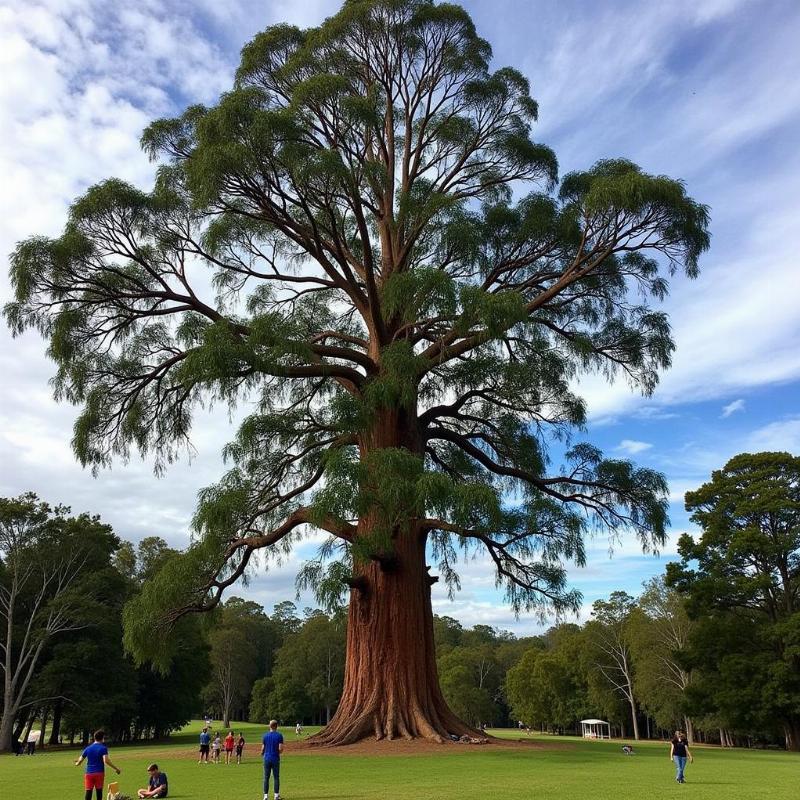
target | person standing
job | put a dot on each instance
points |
(679, 753)
(96, 756)
(271, 749)
(239, 748)
(229, 742)
(205, 745)
(298, 730)
(216, 744)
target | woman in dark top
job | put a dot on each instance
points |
(679, 753)
(239, 748)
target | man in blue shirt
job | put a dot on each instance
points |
(205, 742)
(157, 785)
(271, 749)
(96, 755)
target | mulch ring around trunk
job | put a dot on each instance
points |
(419, 747)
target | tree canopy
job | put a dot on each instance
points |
(363, 242)
(741, 576)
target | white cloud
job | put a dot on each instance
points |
(82, 77)
(782, 436)
(732, 408)
(631, 447)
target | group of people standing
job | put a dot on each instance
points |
(213, 742)
(271, 749)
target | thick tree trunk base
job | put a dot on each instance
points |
(391, 685)
(386, 720)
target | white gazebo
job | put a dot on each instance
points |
(594, 729)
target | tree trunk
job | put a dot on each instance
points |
(45, 715)
(687, 722)
(6, 729)
(792, 732)
(55, 734)
(22, 721)
(634, 721)
(391, 685)
(28, 727)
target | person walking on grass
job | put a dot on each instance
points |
(679, 753)
(205, 746)
(239, 748)
(271, 749)
(96, 757)
(229, 742)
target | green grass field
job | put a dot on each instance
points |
(567, 769)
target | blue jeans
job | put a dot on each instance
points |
(680, 763)
(274, 767)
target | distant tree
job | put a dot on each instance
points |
(167, 699)
(447, 633)
(77, 662)
(285, 616)
(659, 630)
(233, 663)
(261, 699)
(469, 678)
(264, 632)
(746, 565)
(608, 636)
(325, 653)
(548, 684)
(309, 670)
(406, 320)
(44, 555)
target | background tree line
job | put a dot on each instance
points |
(712, 646)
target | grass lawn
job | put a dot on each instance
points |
(550, 768)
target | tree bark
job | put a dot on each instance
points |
(45, 715)
(55, 733)
(792, 732)
(391, 685)
(634, 720)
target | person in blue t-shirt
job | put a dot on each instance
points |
(96, 755)
(157, 785)
(205, 744)
(271, 749)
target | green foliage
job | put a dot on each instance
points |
(741, 581)
(308, 673)
(403, 299)
(549, 686)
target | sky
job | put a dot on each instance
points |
(704, 90)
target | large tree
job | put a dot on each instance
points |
(741, 578)
(405, 321)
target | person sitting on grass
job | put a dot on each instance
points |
(627, 749)
(157, 784)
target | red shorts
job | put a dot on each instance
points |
(94, 780)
